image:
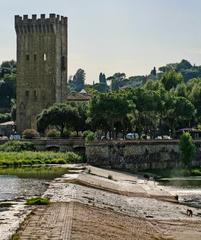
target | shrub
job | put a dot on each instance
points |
(37, 201)
(53, 133)
(30, 158)
(110, 177)
(30, 133)
(17, 146)
(89, 136)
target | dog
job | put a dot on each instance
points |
(189, 212)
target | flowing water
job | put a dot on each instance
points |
(187, 188)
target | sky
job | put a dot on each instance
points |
(130, 36)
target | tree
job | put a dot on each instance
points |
(187, 149)
(102, 78)
(153, 71)
(171, 79)
(60, 115)
(117, 80)
(180, 110)
(78, 80)
(108, 112)
(101, 87)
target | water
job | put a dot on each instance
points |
(187, 188)
(26, 182)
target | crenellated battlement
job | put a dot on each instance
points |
(24, 24)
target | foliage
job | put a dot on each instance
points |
(60, 116)
(109, 112)
(7, 84)
(30, 133)
(187, 149)
(31, 158)
(102, 78)
(53, 133)
(5, 117)
(110, 177)
(37, 201)
(89, 136)
(16, 146)
(77, 83)
(171, 79)
(117, 80)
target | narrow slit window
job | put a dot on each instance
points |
(45, 57)
(35, 94)
(63, 62)
(27, 57)
(26, 93)
(35, 57)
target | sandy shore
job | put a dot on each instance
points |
(88, 205)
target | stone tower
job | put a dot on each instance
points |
(41, 65)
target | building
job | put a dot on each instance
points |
(7, 128)
(41, 65)
(78, 97)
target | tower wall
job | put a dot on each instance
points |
(41, 65)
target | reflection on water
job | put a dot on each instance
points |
(187, 188)
(26, 182)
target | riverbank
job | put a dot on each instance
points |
(127, 206)
(17, 159)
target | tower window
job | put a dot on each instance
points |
(63, 65)
(26, 93)
(35, 94)
(44, 57)
(27, 57)
(34, 57)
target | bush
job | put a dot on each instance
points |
(110, 177)
(53, 133)
(30, 133)
(89, 136)
(37, 201)
(31, 158)
(16, 146)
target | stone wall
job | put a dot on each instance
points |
(137, 155)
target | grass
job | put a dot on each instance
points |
(37, 201)
(17, 159)
(39, 172)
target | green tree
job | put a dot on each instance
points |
(187, 149)
(117, 81)
(171, 79)
(108, 111)
(78, 81)
(102, 78)
(60, 116)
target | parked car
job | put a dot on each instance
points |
(131, 136)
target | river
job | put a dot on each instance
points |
(187, 188)
(26, 182)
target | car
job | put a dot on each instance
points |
(166, 137)
(131, 136)
(158, 138)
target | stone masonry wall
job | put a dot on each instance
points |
(137, 155)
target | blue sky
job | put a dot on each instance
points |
(109, 36)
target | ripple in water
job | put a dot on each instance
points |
(12, 187)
